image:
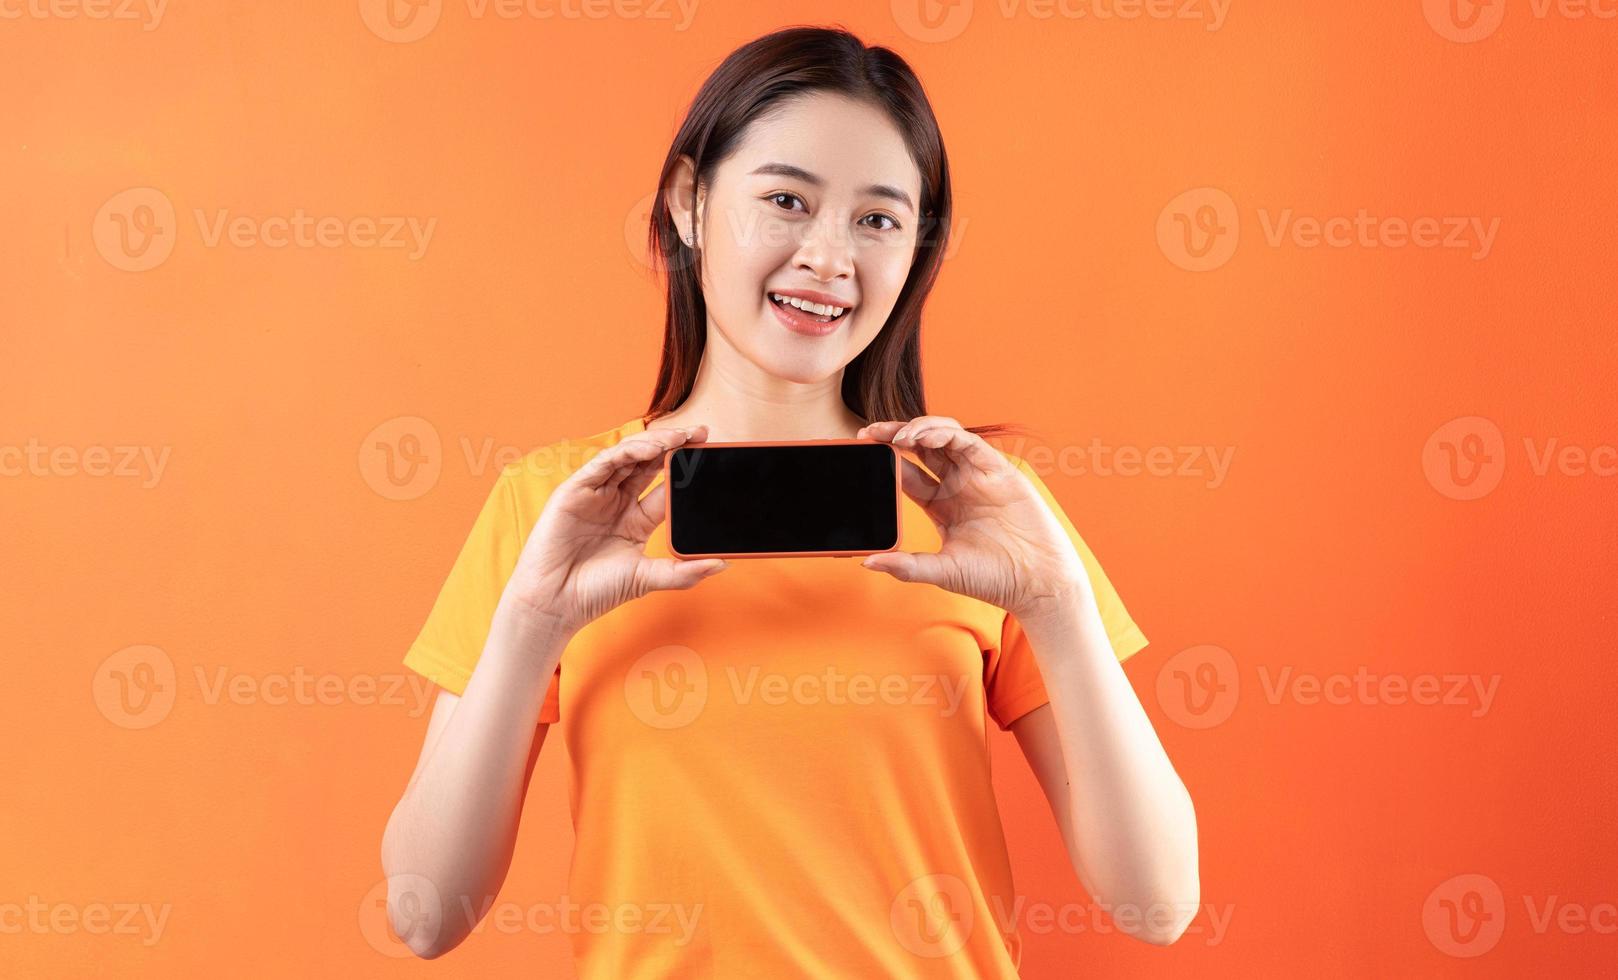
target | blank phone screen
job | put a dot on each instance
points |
(749, 499)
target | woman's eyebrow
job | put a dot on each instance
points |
(879, 190)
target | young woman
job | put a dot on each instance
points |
(781, 767)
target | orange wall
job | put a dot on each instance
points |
(248, 547)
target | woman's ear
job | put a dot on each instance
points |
(677, 196)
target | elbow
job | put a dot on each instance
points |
(415, 909)
(1172, 900)
(417, 918)
(429, 949)
(1170, 926)
(1168, 916)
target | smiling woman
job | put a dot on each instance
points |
(809, 175)
(796, 753)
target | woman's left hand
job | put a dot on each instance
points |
(1001, 543)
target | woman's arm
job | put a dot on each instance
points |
(449, 841)
(1124, 814)
(448, 844)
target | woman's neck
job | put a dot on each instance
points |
(743, 422)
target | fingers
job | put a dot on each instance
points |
(934, 568)
(673, 573)
(937, 439)
(606, 468)
(917, 482)
(635, 479)
(651, 510)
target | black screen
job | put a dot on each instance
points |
(749, 499)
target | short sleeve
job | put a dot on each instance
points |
(451, 640)
(1012, 681)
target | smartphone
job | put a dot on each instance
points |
(826, 497)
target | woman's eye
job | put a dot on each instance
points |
(891, 225)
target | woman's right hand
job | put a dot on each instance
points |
(586, 553)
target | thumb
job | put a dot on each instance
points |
(908, 566)
(674, 573)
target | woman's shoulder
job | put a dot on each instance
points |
(544, 466)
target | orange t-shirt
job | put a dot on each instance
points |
(783, 771)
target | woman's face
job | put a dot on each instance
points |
(821, 196)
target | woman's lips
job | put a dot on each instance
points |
(798, 321)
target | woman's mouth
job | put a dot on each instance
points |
(804, 317)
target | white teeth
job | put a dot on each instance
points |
(816, 308)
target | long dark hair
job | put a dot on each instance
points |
(884, 381)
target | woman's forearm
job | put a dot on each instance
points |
(449, 842)
(1130, 816)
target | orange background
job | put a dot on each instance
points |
(264, 551)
